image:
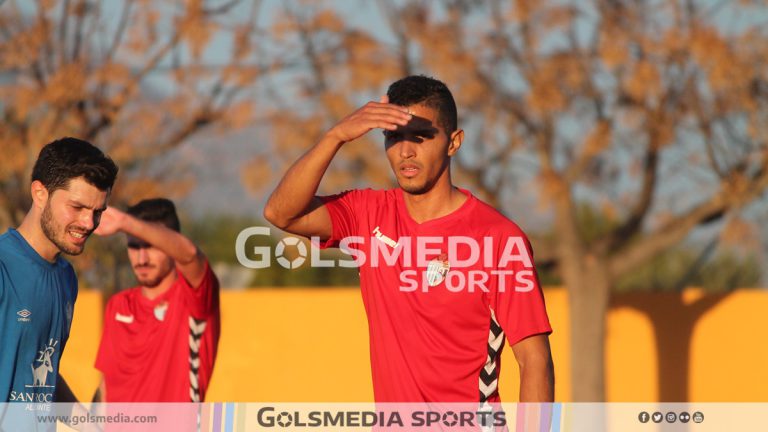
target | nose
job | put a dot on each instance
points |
(88, 220)
(407, 149)
(143, 256)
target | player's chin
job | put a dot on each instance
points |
(413, 188)
(149, 282)
(72, 249)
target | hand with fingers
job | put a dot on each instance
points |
(382, 115)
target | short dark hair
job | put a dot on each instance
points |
(428, 91)
(68, 158)
(160, 210)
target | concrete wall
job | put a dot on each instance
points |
(311, 345)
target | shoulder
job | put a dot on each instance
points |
(121, 299)
(361, 197)
(9, 248)
(363, 194)
(494, 221)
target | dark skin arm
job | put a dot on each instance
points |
(537, 374)
(293, 206)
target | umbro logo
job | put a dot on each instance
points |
(24, 315)
(123, 318)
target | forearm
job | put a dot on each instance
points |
(177, 246)
(537, 381)
(293, 196)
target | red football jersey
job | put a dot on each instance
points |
(440, 296)
(161, 350)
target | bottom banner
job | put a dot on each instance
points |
(237, 417)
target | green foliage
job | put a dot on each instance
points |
(682, 267)
(217, 235)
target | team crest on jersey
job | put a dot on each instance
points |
(437, 269)
(43, 365)
(160, 311)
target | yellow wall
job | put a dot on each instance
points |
(311, 345)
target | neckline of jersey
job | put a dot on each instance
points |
(458, 213)
(32, 254)
(162, 297)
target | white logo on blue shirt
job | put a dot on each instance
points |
(40, 373)
(24, 315)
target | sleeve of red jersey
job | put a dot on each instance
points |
(203, 299)
(519, 306)
(105, 356)
(343, 209)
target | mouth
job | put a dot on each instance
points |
(77, 236)
(409, 170)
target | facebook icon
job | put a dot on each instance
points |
(644, 417)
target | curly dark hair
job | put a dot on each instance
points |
(428, 91)
(68, 158)
(160, 210)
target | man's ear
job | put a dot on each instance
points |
(457, 137)
(40, 194)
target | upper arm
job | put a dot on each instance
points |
(533, 350)
(194, 270)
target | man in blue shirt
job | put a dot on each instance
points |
(71, 182)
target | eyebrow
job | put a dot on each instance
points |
(138, 244)
(79, 204)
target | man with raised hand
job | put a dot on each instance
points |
(445, 278)
(160, 338)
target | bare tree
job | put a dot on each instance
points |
(138, 78)
(653, 112)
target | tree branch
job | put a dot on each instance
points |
(730, 196)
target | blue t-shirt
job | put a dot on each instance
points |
(37, 299)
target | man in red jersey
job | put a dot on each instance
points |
(445, 278)
(160, 338)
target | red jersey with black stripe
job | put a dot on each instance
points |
(164, 349)
(440, 296)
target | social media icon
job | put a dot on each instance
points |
(684, 417)
(698, 417)
(657, 417)
(671, 417)
(644, 417)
